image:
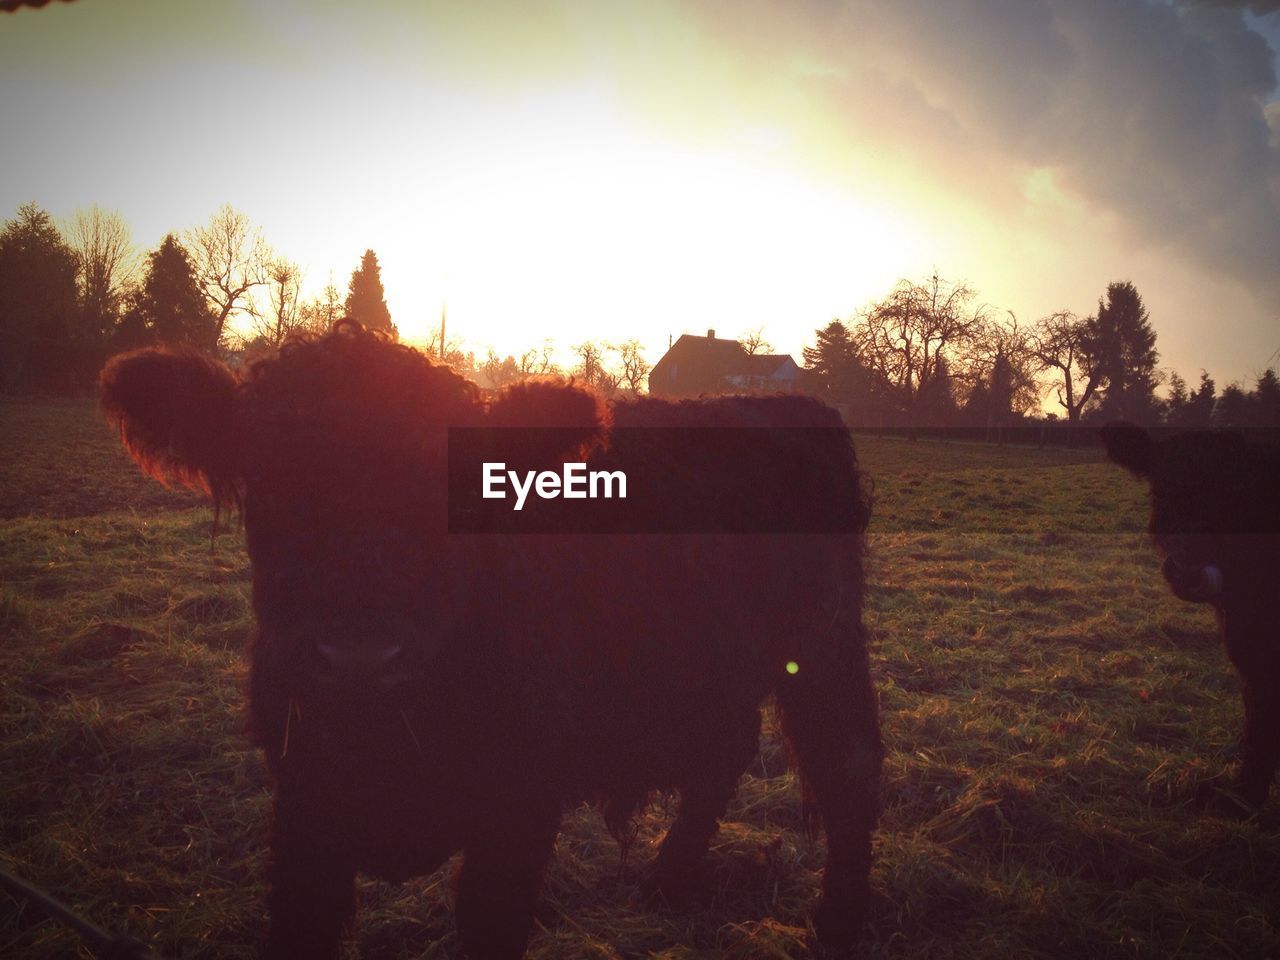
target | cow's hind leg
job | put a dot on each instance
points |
(679, 870)
(830, 718)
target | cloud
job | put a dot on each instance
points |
(1151, 112)
(1258, 8)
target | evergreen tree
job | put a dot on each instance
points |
(366, 300)
(834, 348)
(1177, 407)
(1125, 350)
(41, 347)
(1233, 408)
(1200, 403)
(1001, 370)
(169, 307)
(1267, 394)
(843, 378)
(1267, 400)
(990, 403)
(936, 405)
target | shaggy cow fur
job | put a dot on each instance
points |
(1215, 515)
(418, 692)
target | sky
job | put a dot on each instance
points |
(601, 170)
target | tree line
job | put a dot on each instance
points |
(71, 296)
(607, 367)
(930, 355)
(927, 355)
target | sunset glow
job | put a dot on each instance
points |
(596, 171)
(535, 479)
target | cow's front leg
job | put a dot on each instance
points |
(312, 897)
(498, 885)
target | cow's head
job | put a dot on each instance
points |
(336, 450)
(1204, 489)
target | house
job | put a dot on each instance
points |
(698, 365)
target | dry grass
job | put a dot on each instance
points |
(1048, 708)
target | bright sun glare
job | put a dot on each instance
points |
(603, 172)
(612, 237)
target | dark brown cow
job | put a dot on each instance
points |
(1215, 515)
(419, 692)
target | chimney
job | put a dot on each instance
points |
(711, 334)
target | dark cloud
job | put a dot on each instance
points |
(1153, 112)
(1258, 8)
(8, 6)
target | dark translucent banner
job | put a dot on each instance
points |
(808, 480)
(1055, 433)
(667, 480)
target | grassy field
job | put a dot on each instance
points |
(1048, 708)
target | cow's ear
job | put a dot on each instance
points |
(546, 422)
(175, 410)
(1129, 446)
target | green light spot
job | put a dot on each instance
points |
(792, 667)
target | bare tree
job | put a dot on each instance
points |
(1064, 343)
(453, 354)
(590, 361)
(537, 362)
(230, 259)
(1001, 371)
(285, 314)
(592, 371)
(635, 368)
(497, 372)
(753, 342)
(329, 304)
(319, 314)
(106, 263)
(908, 339)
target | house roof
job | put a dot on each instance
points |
(695, 365)
(767, 364)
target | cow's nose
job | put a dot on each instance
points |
(362, 663)
(359, 656)
(1193, 581)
